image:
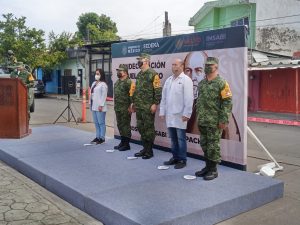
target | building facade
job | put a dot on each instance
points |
(273, 40)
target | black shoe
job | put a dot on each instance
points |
(213, 172)
(202, 172)
(147, 156)
(118, 146)
(171, 161)
(180, 164)
(95, 141)
(124, 147)
(210, 175)
(100, 141)
(140, 153)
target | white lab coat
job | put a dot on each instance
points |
(177, 100)
(99, 96)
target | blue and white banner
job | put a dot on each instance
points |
(229, 45)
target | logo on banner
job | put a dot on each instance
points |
(215, 39)
(188, 42)
(134, 49)
(124, 50)
(151, 45)
(179, 43)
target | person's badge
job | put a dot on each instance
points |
(132, 88)
(226, 92)
(156, 82)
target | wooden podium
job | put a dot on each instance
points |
(14, 121)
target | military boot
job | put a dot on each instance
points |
(125, 145)
(213, 172)
(204, 171)
(142, 152)
(149, 151)
(120, 144)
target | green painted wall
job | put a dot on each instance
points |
(222, 17)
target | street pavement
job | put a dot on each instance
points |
(24, 202)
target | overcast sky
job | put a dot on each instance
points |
(134, 18)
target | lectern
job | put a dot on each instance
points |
(13, 109)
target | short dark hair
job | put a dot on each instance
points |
(102, 77)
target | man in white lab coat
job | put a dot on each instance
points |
(176, 108)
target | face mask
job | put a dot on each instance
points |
(208, 70)
(140, 63)
(119, 74)
(97, 77)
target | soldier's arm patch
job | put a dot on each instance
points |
(226, 92)
(30, 77)
(156, 82)
(132, 89)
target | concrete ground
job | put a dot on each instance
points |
(24, 202)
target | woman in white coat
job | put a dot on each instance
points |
(98, 105)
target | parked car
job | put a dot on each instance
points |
(4, 73)
(39, 87)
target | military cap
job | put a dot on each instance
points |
(123, 67)
(212, 60)
(10, 52)
(144, 56)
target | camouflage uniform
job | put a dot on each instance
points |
(11, 59)
(148, 92)
(123, 91)
(214, 106)
(27, 80)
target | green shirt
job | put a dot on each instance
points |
(123, 91)
(214, 103)
(148, 89)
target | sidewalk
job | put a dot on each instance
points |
(275, 118)
(23, 202)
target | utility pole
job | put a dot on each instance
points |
(167, 26)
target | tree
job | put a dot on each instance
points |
(56, 52)
(95, 28)
(27, 43)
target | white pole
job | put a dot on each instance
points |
(297, 95)
(262, 146)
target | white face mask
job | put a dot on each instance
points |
(97, 77)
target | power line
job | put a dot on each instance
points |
(177, 32)
(281, 17)
(145, 34)
(147, 26)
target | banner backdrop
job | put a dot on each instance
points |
(229, 45)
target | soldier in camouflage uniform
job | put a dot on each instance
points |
(27, 79)
(11, 59)
(123, 91)
(214, 107)
(145, 100)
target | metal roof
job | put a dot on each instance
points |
(259, 60)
